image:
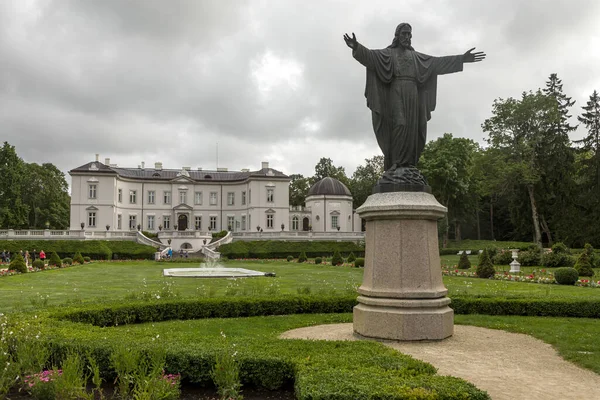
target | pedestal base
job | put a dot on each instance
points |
(394, 319)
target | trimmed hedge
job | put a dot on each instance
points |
(18, 264)
(526, 307)
(566, 276)
(96, 249)
(463, 262)
(280, 249)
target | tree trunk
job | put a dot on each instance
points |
(534, 215)
(492, 218)
(457, 234)
(477, 219)
(546, 230)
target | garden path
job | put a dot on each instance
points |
(507, 365)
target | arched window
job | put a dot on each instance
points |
(295, 223)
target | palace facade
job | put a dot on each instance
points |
(107, 197)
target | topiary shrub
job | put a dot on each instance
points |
(54, 260)
(594, 258)
(556, 260)
(38, 264)
(351, 257)
(289, 258)
(566, 276)
(485, 268)
(583, 266)
(359, 262)
(503, 257)
(302, 258)
(464, 262)
(560, 248)
(78, 258)
(318, 260)
(67, 261)
(530, 257)
(337, 258)
(18, 264)
(87, 259)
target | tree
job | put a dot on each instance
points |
(13, 213)
(45, 192)
(447, 164)
(521, 130)
(325, 168)
(299, 186)
(591, 142)
(364, 178)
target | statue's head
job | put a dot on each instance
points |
(403, 36)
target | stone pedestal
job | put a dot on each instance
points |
(402, 296)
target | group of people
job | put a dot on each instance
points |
(29, 257)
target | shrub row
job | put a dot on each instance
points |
(280, 249)
(96, 249)
(285, 305)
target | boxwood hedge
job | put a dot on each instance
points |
(96, 249)
(280, 249)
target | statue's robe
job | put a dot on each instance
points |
(401, 93)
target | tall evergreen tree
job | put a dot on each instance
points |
(591, 142)
(13, 213)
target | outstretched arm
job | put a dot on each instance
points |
(351, 41)
(360, 52)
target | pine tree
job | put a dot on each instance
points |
(591, 143)
(464, 262)
(485, 269)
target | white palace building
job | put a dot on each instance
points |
(250, 204)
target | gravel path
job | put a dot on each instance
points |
(507, 365)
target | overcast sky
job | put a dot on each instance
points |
(269, 81)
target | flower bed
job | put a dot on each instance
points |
(541, 276)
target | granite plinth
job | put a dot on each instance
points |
(402, 294)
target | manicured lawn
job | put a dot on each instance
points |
(119, 281)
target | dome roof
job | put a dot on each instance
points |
(329, 187)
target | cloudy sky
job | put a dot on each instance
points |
(148, 80)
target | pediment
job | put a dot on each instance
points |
(183, 207)
(334, 213)
(270, 211)
(92, 208)
(182, 179)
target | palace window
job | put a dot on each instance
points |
(295, 223)
(167, 197)
(244, 198)
(334, 222)
(213, 223)
(270, 195)
(132, 196)
(213, 198)
(167, 222)
(150, 222)
(92, 219)
(182, 197)
(270, 221)
(151, 196)
(120, 196)
(198, 222)
(230, 222)
(243, 222)
(249, 198)
(92, 191)
(230, 199)
(132, 221)
(119, 221)
(198, 198)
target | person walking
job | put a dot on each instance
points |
(43, 256)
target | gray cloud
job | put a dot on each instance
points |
(165, 81)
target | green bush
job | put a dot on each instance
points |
(533, 307)
(54, 260)
(556, 260)
(290, 258)
(491, 253)
(464, 262)
(218, 235)
(318, 260)
(87, 259)
(280, 249)
(560, 248)
(566, 276)
(485, 268)
(359, 262)
(18, 264)
(337, 258)
(583, 266)
(67, 261)
(594, 257)
(530, 257)
(351, 257)
(302, 258)
(78, 258)
(503, 257)
(96, 249)
(38, 264)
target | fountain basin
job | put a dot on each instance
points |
(212, 272)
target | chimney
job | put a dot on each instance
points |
(97, 157)
(158, 165)
(107, 161)
(143, 164)
(245, 170)
(220, 169)
(265, 164)
(199, 168)
(187, 168)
